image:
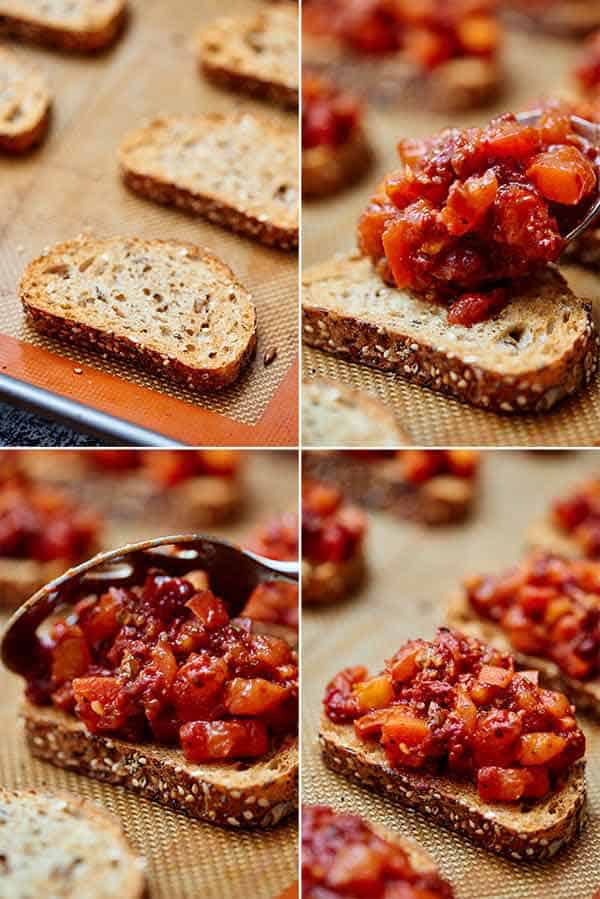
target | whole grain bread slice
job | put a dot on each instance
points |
(80, 25)
(541, 348)
(63, 847)
(256, 794)
(327, 170)
(585, 695)
(324, 583)
(21, 578)
(166, 306)
(256, 54)
(24, 104)
(336, 415)
(523, 832)
(238, 170)
(380, 484)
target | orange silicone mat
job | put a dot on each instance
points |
(185, 859)
(537, 65)
(71, 185)
(412, 572)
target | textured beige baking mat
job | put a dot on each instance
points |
(185, 859)
(411, 571)
(71, 185)
(537, 66)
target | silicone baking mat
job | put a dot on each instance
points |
(412, 571)
(536, 66)
(185, 859)
(71, 185)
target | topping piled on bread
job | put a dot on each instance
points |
(450, 727)
(333, 562)
(276, 602)
(344, 855)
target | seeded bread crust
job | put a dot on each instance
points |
(584, 695)
(72, 327)
(25, 20)
(444, 499)
(254, 795)
(329, 582)
(24, 104)
(272, 223)
(336, 415)
(523, 832)
(256, 55)
(327, 170)
(376, 337)
(59, 843)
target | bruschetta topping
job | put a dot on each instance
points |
(547, 607)
(587, 70)
(578, 516)
(162, 661)
(332, 530)
(429, 33)
(330, 116)
(169, 467)
(456, 707)
(343, 856)
(472, 208)
(41, 524)
(419, 466)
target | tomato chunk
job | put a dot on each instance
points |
(563, 175)
(210, 741)
(253, 696)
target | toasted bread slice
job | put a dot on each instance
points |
(585, 695)
(80, 25)
(239, 171)
(255, 794)
(443, 499)
(329, 582)
(327, 170)
(255, 54)
(336, 415)
(62, 846)
(24, 104)
(540, 349)
(523, 832)
(21, 578)
(165, 306)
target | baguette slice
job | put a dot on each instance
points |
(256, 794)
(239, 171)
(327, 170)
(255, 54)
(585, 695)
(79, 25)
(329, 582)
(444, 499)
(523, 832)
(336, 415)
(62, 846)
(540, 349)
(166, 306)
(24, 104)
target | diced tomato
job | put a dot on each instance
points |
(556, 704)
(492, 676)
(495, 740)
(374, 693)
(403, 666)
(539, 748)
(370, 725)
(210, 610)
(165, 661)
(563, 175)
(98, 703)
(510, 140)
(198, 686)
(100, 620)
(210, 741)
(471, 308)
(253, 696)
(468, 201)
(70, 656)
(496, 784)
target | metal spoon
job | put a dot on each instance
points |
(590, 132)
(233, 574)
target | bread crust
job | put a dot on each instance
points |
(330, 582)
(584, 695)
(117, 346)
(255, 795)
(532, 832)
(444, 499)
(21, 578)
(414, 358)
(87, 41)
(327, 170)
(27, 140)
(215, 208)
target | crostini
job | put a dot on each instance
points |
(451, 729)
(273, 606)
(333, 537)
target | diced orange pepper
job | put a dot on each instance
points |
(539, 748)
(563, 175)
(375, 693)
(493, 676)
